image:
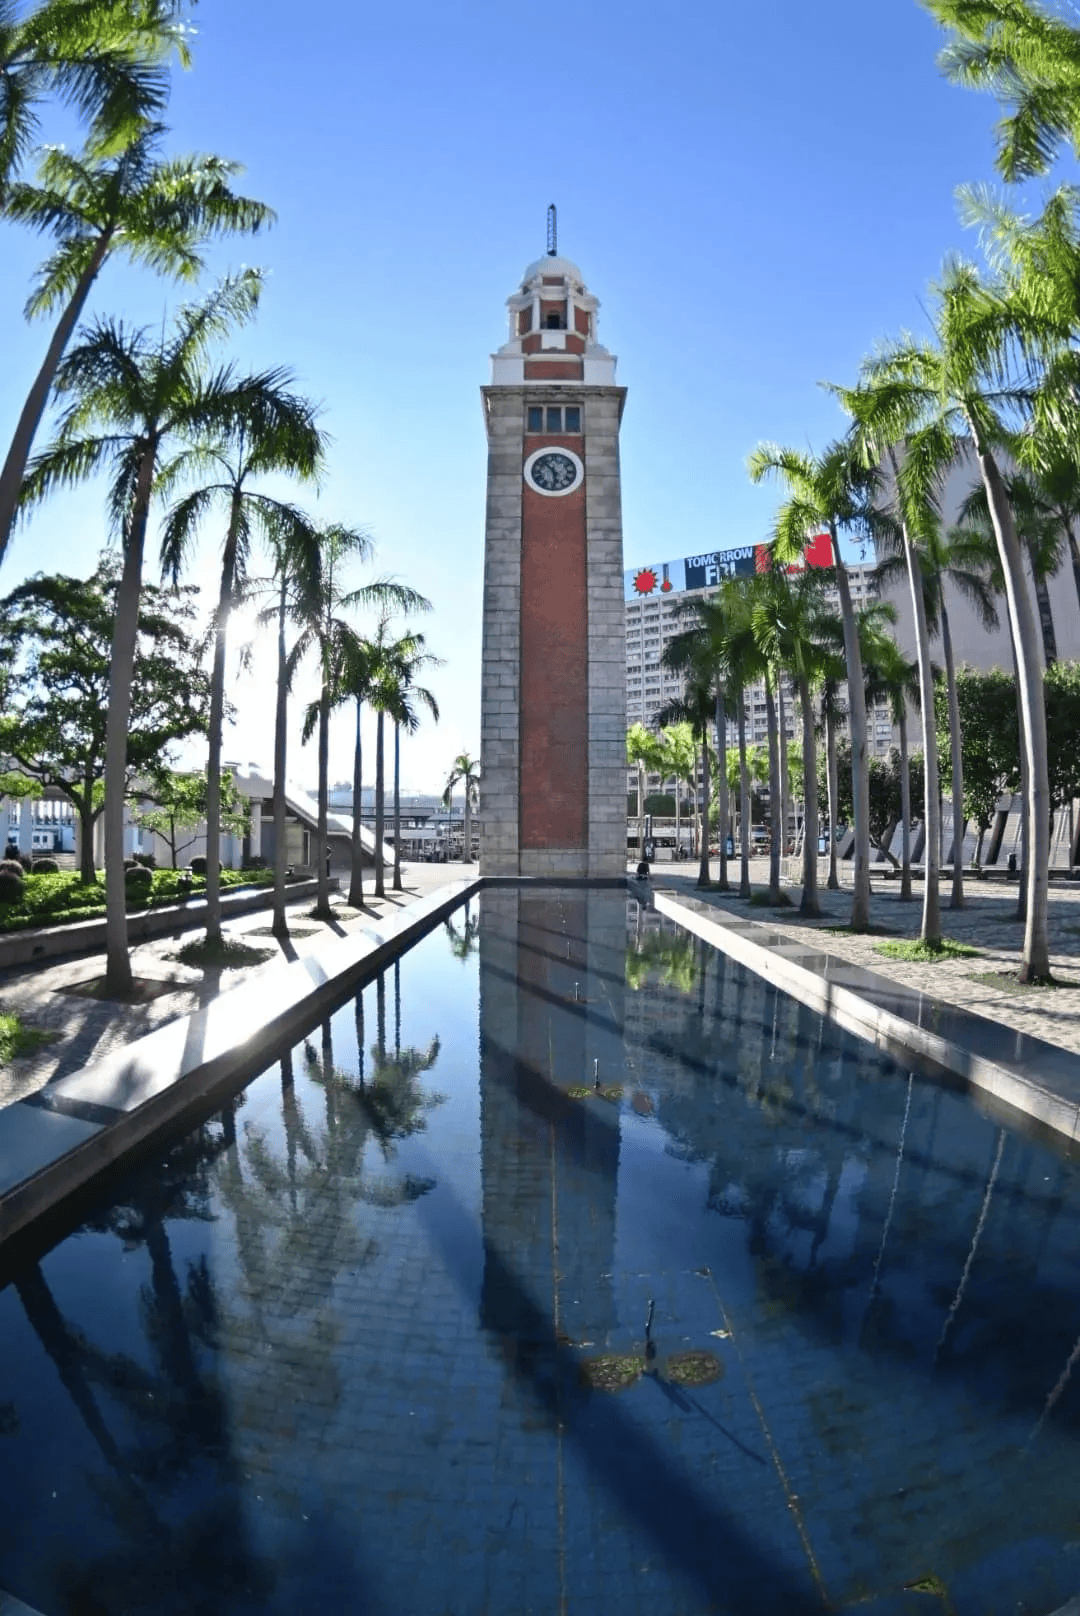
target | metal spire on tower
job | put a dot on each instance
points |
(552, 233)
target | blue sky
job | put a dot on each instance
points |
(757, 194)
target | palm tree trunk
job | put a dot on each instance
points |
(1046, 617)
(678, 816)
(640, 809)
(956, 900)
(397, 812)
(86, 832)
(905, 808)
(280, 926)
(931, 915)
(775, 808)
(11, 476)
(723, 813)
(217, 720)
(832, 786)
(356, 875)
(380, 883)
(1074, 554)
(703, 865)
(744, 807)
(322, 874)
(860, 774)
(785, 792)
(118, 977)
(809, 905)
(1035, 966)
(468, 820)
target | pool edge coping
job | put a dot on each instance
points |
(304, 985)
(849, 1009)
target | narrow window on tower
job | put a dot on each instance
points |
(554, 420)
(573, 418)
(536, 418)
(554, 321)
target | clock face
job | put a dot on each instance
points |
(554, 471)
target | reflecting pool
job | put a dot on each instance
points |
(567, 1268)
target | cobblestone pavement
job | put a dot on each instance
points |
(986, 922)
(89, 1029)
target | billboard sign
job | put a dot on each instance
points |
(709, 568)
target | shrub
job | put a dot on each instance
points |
(12, 887)
(138, 879)
(147, 860)
(11, 867)
(198, 865)
(44, 866)
(253, 861)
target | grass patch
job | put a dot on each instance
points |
(143, 990)
(763, 900)
(227, 955)
(915, 950)
(864, 931)
(17, 1039)
(612, 1372)
(292, 931)
(1009, 982)
(694, 1368)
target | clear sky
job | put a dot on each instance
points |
(756, 194)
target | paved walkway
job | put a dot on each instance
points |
(986, 923)
(88, 1029)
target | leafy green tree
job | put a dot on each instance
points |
(1063, 731)
(835, 491)
(134, 397)
(178, 802)
(278, 434)
(104, 58)
(155, 212)
(411, 658)
(986, 702)
(56, 635)
(680, 764)
(885, 794)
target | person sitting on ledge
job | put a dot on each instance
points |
(643, 870)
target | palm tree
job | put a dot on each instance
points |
(680, 760)
(297, 579)
(464, 771)
(133, 398)
(795, 628)
(277, 434)
(104, 58)
(158, 213)
(889, 673)
(389, 667)
(1030, 60)
(410, 658)
(949, 560)
(324, 630)
(932, 395)
(835, 491)
(696, 707)
(644, 751)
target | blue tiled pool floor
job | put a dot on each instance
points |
(336, 1349)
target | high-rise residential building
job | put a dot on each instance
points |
(657, 599)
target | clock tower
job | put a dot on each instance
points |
(553, 704)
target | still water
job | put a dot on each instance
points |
(568, 1268)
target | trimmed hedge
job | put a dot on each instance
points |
(12, 888)
(59, 900)
(198, 865)
(44, 866)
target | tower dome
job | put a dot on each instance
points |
(552, 328)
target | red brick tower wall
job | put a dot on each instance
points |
(554, 666)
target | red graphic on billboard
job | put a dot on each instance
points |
(818, 552)
(645, 581)
(762, 558)
(665, 586)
